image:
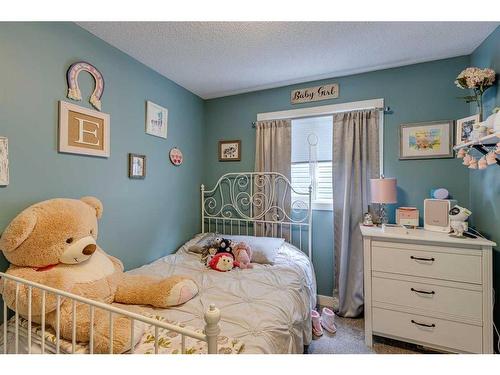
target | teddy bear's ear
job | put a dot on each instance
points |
(18, 230)
(95, 204)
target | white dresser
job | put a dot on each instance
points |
(428, 288)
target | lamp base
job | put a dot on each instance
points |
(383, 214)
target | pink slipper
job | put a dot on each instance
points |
(328, 320)
(316, 324)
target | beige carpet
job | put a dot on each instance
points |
(350, 339)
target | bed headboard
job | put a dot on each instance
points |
(260, 204)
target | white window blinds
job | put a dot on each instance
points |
(302, 128)
(302, 170)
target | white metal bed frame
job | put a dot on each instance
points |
(258, 203)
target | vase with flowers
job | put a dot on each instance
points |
(478, 80)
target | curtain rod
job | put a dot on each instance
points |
(387, 111)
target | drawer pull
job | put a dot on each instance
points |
(424, 259)
(422, 291)
(423, 324)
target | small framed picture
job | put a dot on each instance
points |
(464, 128)
(426, 140)
(229, 150)
(4, 161)
(136, 166)
(156, 120)
(83, 131)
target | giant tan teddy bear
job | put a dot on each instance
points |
(54, 243)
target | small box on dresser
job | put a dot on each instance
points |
(428, 288)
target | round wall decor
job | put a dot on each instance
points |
(176, 156)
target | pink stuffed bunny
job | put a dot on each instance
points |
(243, 255)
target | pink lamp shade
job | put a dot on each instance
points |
(383, 190)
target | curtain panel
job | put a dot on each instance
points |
(272, 154)
(355, 161)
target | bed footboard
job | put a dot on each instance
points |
(210, 333)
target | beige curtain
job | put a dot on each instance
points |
(355, 161)
(272, 154)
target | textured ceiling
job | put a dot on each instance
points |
(214, 59)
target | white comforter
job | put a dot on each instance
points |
(268, 307)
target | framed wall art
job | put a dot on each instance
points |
(426, 140)
(136, 166)
(83, 131)
(4, 161)
(464, 128)
(156, 120)
(230, 150)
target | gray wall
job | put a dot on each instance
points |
(422, 92)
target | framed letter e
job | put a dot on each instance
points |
(83, 131)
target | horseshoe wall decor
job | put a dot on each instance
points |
(73, 88)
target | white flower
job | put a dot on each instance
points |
(475, 78)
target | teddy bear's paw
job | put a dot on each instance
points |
(121, 335)
(181, 292)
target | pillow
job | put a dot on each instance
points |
(205, 239)
(264, 249)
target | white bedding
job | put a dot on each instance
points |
(267, 308)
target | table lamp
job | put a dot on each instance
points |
(383, 191)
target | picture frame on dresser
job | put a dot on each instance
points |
(428, 289)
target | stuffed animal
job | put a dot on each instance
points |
(458, 216)
(223, 262)
(54, 243)
(225, 246)
(243, 255)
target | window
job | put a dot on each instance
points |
(312, 159)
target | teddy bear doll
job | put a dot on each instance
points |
(54, 243)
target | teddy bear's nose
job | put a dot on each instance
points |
(89, 249)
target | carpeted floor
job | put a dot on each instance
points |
(350, 339)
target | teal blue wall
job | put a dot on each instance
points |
(485, 184)
(143, 219)
(422, 92)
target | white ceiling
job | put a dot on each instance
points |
(213, 59)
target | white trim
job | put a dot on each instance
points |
(326, 301)
(325, 110)
(322, 110)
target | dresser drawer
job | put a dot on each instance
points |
(427, 263)
(429, 298)
(442, 333)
